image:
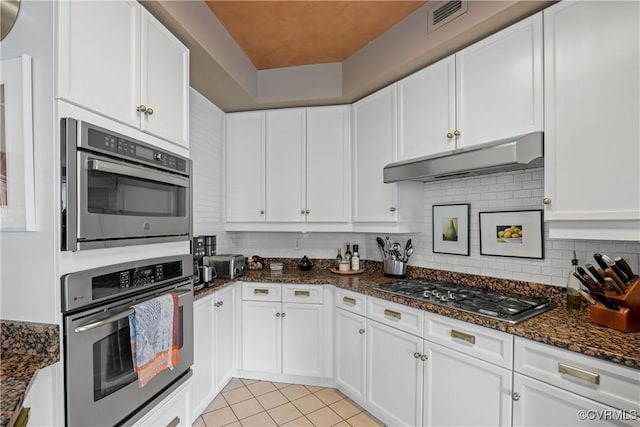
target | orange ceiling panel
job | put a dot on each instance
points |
(276, 34)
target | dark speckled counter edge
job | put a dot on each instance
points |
(556, 327)
(26, 348)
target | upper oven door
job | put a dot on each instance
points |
(101, 385)
(121, 200)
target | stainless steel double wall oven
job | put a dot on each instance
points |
(101, 386)
(118, 191)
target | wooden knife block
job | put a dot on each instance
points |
(627, 319)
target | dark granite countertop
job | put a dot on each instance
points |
(556, 327)
(26, 347)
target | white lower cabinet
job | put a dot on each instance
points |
(224, 326)
(350, 354)
(281, 336)
(394, 375)
(460, 390)
(202, 382)
(541, 404)
(172, 411)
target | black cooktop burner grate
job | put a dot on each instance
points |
(510, 308)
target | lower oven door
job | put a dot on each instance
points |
(101, 386)
(119, 200)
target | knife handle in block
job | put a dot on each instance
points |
(617, 284)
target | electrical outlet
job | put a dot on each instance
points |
(297, 244)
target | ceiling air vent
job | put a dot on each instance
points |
(442, 12)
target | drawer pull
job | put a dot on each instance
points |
(393, 314)
(261, 291)
(174, 422)
(461, 335)
(301, 293)
(591, 377)
(350, 301)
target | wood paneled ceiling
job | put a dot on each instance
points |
(276, 34)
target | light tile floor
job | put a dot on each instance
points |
(251, 403)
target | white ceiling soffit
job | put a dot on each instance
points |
(221, 71)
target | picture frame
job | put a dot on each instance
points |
(517, 234)
(450, 229)
(17, 197)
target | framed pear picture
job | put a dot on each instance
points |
(451, 229)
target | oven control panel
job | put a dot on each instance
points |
(120, 281)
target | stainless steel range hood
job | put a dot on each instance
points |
(522, 152)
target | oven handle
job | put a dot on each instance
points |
(121, 315)
(119, 169)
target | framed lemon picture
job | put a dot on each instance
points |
(512, 234)
(450, 227)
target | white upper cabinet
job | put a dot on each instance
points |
(328, 180)
(245, 167)
(487, 92)
(165, 82)
(298, 159)
(117, 60)
(376, 205)
(499, 91)
(427, 111)
(592, 131)
(98, 57)
(286, 165)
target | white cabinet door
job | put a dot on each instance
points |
(202, 382)
(499, 85)
(350, 354)
(224, 315)
(426, 111)
(245, 167)
(286, 165)
(261, 336)
(374, 146)
(592, 81)
(460, 390)
(328, 166)
(98, 57)
(540, 404)
(394, 375)
(302, 339)
(164, 83)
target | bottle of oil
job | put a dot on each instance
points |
(574, 299)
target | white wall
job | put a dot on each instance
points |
(207, 124)
(29, 289)
(502, 191)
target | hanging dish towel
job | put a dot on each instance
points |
(154, 336)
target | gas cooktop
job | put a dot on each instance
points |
(509, 308)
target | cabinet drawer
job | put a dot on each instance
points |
(311, 294)
(172, 411)
(603, 381)
(477, 341)
(261, 292)
(399, 316)
(351, 301)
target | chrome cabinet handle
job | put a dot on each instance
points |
(174, 422)
(515, 396)
(461, 335)
(219, 304)
(350, 301)
(424, 357)
(456, 133)
(277, 314)
(361, 331)
(150, 112)
(284, 314)
(141, 108)
(301, 211)
(307, 212)
(261, 291)
(449, 135)
(582, 374)
(134, 171)
(261, 212)
(546, 201)
(301, 293)
(393, 314)
(392, 209)
(417, 355)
